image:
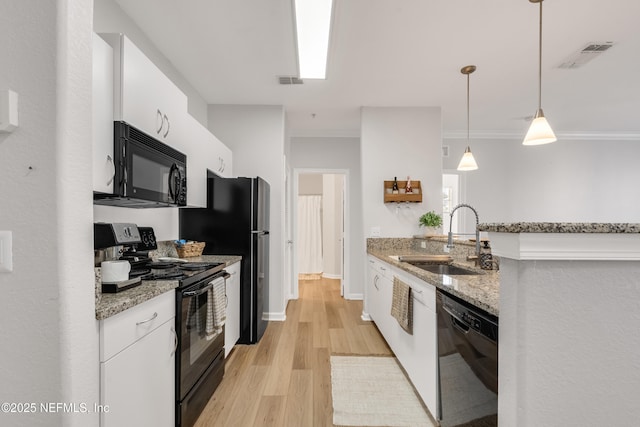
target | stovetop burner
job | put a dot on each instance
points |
(184, 272)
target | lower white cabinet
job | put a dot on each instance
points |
(417, 352)
(232, 325)
(137, 365)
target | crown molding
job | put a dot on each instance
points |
(573, 136)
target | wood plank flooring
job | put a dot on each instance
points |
(285, 379)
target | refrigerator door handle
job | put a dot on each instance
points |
(260, 232)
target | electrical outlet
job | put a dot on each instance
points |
(423, 245)
(375, 231)
(6, 262)
(446, 249)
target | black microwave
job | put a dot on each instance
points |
(148, 173)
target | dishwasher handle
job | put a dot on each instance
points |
(456, 321)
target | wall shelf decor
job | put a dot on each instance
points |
(415, 197)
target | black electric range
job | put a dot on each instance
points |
(187, 273)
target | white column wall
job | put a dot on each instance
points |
(255, 134)
(49, 332)
(396, 142)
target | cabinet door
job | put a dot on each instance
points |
(232, 325)
(222, 159)
(138, 384)
(143, 96)
(102, 116)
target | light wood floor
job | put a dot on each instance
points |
(285, 379)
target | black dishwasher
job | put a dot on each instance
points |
(467, 362)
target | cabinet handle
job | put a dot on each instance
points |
(112, 175)
(159, 121)
(371, 261)
(168, 125)
(175, 340)
(383, 269)
(375, 282)
(155, 314)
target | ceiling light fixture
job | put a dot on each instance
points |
(467, 163)
(313, 25)
(539, 132)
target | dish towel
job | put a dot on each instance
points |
(402, 305)
(216, 308)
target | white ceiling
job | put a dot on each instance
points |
(409, 53)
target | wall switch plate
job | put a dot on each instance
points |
(446, 249)
(375, 231)
(423, 245)
(6, 262)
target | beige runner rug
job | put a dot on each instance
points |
(373, 391)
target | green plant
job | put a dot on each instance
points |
(430, 219)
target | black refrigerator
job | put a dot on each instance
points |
(236, 222)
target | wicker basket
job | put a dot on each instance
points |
(190, 249)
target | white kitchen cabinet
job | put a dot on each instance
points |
(143, 96)
(102, 116)
(417, 353)
(232, 325)
(204, 153)
(137, 365)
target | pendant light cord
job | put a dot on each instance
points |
(540, 60)
(468, 109)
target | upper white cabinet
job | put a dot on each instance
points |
(204, 153)
(102, 116)
(143, 96)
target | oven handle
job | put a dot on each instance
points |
(175, 341)
(198, 292)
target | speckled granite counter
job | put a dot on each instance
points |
(108, 305)
(560, 227)
(482, 290)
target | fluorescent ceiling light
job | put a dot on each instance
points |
(313, 24)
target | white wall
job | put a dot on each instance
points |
(255, 134)
(567, 181)
(310, 184)
(400, 142)
(49, 332)
(110, 18)
(332, 225)
(344, 154)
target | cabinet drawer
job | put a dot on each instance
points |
(120, 331)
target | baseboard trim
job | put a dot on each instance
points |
(354, 296)
(274, 317)
(332, 276)
(366, 317)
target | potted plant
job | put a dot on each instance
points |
(431, 221)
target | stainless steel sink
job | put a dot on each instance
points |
(447, 269)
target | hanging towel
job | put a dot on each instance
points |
(210, 330)
(402, 305)
(216, 308)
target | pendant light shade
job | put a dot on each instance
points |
(540, 131)
(468, 162)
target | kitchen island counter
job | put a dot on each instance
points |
(109, 304)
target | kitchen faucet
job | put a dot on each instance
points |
(450, 235)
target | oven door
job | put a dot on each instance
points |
(198, 345)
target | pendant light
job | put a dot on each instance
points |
(539, 132)
(467, 163)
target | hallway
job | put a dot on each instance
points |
(285, 379)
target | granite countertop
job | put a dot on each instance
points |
(560, 227)
(482, 291)
(108, 305)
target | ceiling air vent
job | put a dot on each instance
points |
(589, 52)
(290, 80)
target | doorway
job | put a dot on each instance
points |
(320, 227)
